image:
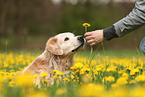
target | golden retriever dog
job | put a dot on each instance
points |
(58, 54)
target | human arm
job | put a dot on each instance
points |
(134, 20)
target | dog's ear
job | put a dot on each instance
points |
(53, 46)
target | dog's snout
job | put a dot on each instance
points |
(81, 38)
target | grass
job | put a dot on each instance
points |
(101, 74)
(111, 53)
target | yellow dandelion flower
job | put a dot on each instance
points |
(61, 91)
(98, 69)
(55, 76)
(119, 92)
(61, 73)
(133, 71)
(131, 81)
(45, 80)
(66, 79)
(72, 76)
(73, 67)
(121, 71)
(35, 75)
(78, 65)
(110, 79)
(125, 75)
(44, 74)
(91, 90)
(121, 81)
(39, 94)
(86, 68)
(24, 80)
(140, 67)
(11, 84)
(55, 71)
(137, 92)
(114, 85)
(86, 24)
(140, 78)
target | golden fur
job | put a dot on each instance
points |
(55, 56)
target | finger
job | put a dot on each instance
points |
(94, 43)
(88, 33)
(90, 41)
(89, 37)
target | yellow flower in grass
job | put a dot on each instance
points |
(1, 73)
(125, 75)
(131, 81)
(121, 71)
(66, 79)
(140, 78)
(55, 76)
(11, 84)
(85, 79)
(86, 69)
(133, 71)
(121, 81)
(114, 85)
(91, 90)
(118, 92)
(61, 91)
(44, 74)
(72, 76)
(39, 94)
(9, 76)
(73, 68)
(59, 73)
(24, 80)
(110, 79)
(78, 65)
(35, 75)
(137, 92)
(139, 67)
(86, 24)
(98, 69)
(111, 68)
(104, 79)
(45, 80)
(55, 71)
(13, 73)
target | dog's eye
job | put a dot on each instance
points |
(66, 39)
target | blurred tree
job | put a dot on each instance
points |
(22, 17)
(43, 18)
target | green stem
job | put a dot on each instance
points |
(91, 46)
(91, 50)
(85, 29)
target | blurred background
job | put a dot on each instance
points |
(28, 24)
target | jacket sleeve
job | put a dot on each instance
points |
(134, 20)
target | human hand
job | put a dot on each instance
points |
(94, 37)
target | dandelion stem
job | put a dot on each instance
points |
(85, 29)
(91, 50)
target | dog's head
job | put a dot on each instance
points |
(65, 43)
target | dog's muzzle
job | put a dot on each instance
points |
(82, 40)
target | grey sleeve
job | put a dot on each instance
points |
(109, 33)
(134, 20)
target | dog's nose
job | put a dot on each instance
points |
(81, 38)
